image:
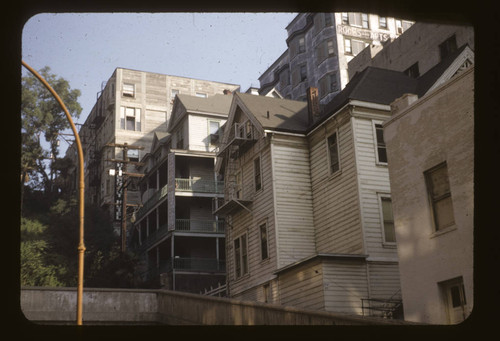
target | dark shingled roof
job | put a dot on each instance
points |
(284, 114)
(217, 104)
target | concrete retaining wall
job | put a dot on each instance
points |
(131, 306)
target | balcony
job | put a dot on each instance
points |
(195, 265)
(151, 202)
(240, 138)
(200, 226)
(199, 186)
(184, 225)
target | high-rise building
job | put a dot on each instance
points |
(320, 45)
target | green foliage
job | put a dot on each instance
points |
(49, 245)
(42, 116)
(36, 269)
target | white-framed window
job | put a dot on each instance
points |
(439, 193)
(387, 219)
(264, 248)
(130, 118)
(257, 174)
(128, 90)
(382, 22)
(353, 46)
(213, 131)
(355, 19)
(201, 94)
(333, 153)
(402, 25)
(240, 256)
(381, 149)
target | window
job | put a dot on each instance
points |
(355, 19)
(133, 155)
(239, 185)
(266, 292)
(333, 153)
(130, 118)
(128, 90)
(381, 148)
(257, 174)
(354, 47)
(240, 256)
(364, 20)
(263, 241)
(302, 44)
(438, 188)
(399, 26)
(284, 78)
(328, 19)
(347, 46)
(213, 127)
(448, 47)
(303, 72)
(201, 94)
(413, 71)
(382, 22)
(180, 138)
(173, 94)
(322, 20)
(325, 50)
(345, 19)
(387, 220)
(328, 84)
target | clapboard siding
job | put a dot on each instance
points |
(384, 280)
(262, 207)
(373, 180)
(335, 197)
(303, 287)
(345, 284)
(294, 218)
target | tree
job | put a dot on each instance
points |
(43, 117)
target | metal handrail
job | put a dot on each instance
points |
(193, 225)
(199, 185)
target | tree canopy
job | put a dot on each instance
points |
(43, 119)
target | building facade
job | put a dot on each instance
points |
(182, 244)
(307, 199)
(432, 182)
(131, 106)
(320, 45)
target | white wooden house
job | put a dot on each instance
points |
(307, 198)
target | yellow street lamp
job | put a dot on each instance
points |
(81, 245)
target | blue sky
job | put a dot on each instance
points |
(85, 48)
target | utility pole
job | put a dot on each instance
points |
(121, 192)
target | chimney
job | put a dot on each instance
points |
(227, 92)
(312, 104)
(403, 102)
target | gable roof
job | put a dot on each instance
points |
(217, 104)
(284, 114)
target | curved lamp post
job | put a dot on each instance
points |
(81, 245)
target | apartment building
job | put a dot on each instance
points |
(431, 175)
(130, 108)
(320, 45)
(181, 242)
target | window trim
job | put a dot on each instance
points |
(255, 175)
(210, 121)
(240, 257)
(384, 26)
(328, 154)
(451, 226)
(381, 198)
(266, 228)
(128, 92)
(377, 158)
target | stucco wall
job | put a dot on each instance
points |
(438, 127)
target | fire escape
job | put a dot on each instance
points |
(104, 104)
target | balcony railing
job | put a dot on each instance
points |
(196, 264)
(158, 195)
(202, 226)
(199, 185)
